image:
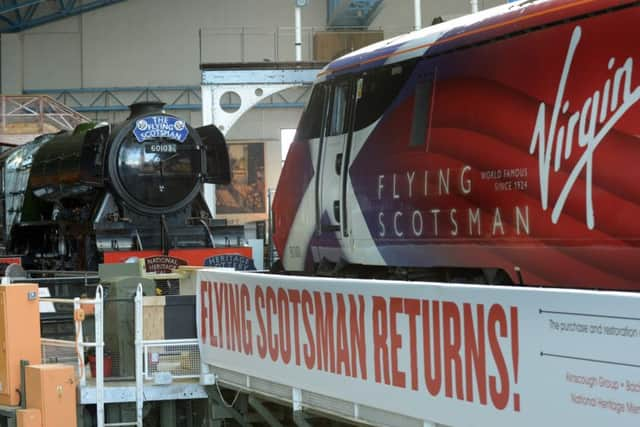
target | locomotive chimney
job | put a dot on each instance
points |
(145, 107)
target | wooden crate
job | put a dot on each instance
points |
(153, 318)
(329, 45)
(52, 390)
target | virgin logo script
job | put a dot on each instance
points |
(586, 127)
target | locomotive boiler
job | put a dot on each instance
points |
(68, 198)
(500, 148)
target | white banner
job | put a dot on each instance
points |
(458, 355)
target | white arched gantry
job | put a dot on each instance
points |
(252, 83)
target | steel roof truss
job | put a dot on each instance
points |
(16, 15)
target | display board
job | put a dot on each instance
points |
(244, 199)
(459, 355)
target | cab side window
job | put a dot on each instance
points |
(310, 126)
(338, 123)
(376, 91)
(422, 110)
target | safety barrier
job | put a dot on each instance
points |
(160, 361)
(179, 358)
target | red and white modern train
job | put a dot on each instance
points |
(501, 147)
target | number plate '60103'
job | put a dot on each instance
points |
(160, 148)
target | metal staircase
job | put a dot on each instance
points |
(22, 118)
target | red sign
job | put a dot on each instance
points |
(11, 260)
(162, 264)
(196, 257)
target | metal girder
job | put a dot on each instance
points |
(19, 15)
(278, 76)
(300, 420)
(251, 84)
(268, 417)
(107, 99)
(176, 98)
(352, 13)
(222, 410)
(215, 106)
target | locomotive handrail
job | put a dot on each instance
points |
(209, 233)
(165, 241)
(80, 274)
(45, 279)
(138, 240)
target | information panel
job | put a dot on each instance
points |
(459, 355)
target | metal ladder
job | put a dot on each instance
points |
(99, 347)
